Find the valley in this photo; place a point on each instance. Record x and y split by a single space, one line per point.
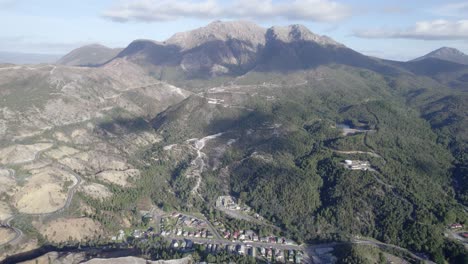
232 147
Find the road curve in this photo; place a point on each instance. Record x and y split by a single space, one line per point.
71 193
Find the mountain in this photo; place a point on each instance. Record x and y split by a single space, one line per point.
27 58
236 47
220 48
89 55
271 117
446 54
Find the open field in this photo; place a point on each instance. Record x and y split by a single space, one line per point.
6 235
44 191
96 191
21 153
61 152
75 228
119 177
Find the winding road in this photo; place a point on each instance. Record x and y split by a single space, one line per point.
71 193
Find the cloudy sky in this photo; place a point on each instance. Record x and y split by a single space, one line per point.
397 29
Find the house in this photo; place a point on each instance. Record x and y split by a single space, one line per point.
252 252
299 257
290 255
137 233
262 251
279 255
175 244
121 235
232 248
183 244
189 244
456 226
226 235
465 234
241 249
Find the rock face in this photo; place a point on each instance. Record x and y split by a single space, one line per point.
243 31
237 47
447 54
220 48
294 33
94 54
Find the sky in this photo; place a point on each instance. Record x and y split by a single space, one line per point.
398 30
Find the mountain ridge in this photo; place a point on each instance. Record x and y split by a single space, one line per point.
447 54
89 55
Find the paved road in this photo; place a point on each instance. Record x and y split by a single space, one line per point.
213 230
18 232
228 242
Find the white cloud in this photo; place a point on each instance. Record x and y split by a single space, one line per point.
163 10
426 30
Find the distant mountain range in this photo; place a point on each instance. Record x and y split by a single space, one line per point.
27 58
237 47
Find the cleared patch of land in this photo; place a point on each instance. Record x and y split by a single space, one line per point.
119 177
61 152
58 258
24 246
92 162
61 230
22 153
6 235
45 191
96 191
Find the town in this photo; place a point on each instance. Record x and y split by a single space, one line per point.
187 233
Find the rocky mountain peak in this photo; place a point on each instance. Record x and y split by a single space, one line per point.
297 32
447 54
220 31
447 51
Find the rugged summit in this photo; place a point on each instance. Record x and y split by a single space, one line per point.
297 32
447 54
234 48
243 31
